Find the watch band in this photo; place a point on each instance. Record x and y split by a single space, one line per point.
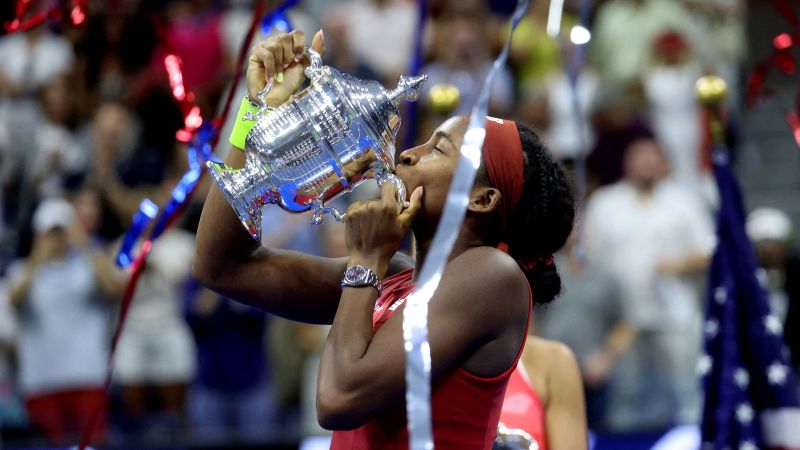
360 276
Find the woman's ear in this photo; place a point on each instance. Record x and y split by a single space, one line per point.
484 199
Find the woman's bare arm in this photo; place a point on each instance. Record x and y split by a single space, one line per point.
290 284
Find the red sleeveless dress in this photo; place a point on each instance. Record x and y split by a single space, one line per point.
522 409
465 408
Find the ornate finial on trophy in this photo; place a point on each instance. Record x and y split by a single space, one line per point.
711 93
408 89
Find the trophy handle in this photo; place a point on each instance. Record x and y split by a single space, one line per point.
321 209
384 176
381 176
263 107
313 70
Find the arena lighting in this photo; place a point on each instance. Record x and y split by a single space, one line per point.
580 35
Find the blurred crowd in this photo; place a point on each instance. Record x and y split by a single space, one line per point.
87 131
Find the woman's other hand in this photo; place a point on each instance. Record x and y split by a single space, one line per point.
374 229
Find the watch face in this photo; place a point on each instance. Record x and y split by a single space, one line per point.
356 273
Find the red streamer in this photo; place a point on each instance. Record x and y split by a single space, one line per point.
78 12
77 15
786 10
793 119
782 59
136 271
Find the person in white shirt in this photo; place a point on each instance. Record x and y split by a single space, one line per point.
63 321
653 236
30 61
382 34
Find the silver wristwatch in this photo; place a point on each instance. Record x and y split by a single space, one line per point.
360 276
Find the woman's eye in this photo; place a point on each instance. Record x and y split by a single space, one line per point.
436 147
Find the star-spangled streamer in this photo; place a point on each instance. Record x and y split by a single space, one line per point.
415 314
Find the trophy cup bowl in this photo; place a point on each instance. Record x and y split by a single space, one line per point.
324 141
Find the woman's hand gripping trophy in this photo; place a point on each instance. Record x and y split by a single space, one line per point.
280 60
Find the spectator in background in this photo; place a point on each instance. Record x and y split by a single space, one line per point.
230 398
194 34
617 124
623 35
660 235
58 153
31 60
591 319
155 359
337 51
770 229
571 92
669 86
382 35
63 322
11 411
114 52
717 33
534 54
462 58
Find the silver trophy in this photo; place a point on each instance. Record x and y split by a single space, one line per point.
324 141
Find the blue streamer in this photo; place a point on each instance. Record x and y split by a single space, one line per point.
198 153
147 212
278 19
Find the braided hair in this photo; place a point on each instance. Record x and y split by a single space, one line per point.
544 218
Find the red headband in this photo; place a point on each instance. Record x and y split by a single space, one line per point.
505 165
502 155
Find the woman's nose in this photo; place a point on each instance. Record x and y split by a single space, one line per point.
411 156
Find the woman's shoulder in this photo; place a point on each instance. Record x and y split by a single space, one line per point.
489 284
488 266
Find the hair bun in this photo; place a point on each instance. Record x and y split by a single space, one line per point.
544 280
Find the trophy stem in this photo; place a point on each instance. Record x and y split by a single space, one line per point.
247 191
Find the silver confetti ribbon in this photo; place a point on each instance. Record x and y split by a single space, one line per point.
415 314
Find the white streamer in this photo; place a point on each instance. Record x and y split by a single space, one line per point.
415 314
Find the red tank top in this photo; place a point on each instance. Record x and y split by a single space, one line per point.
522 409
465 408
